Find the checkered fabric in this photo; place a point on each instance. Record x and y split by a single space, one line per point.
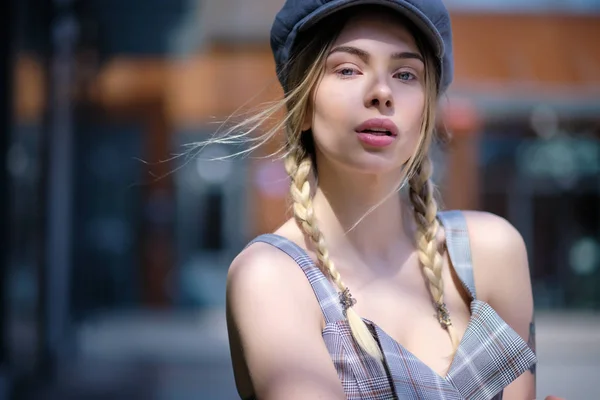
489 357
457 242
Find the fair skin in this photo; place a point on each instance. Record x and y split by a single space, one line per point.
274 320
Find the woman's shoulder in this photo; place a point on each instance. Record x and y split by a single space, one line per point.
274 324
266 272
265 280
262 265
492 235
492 231
264 262
498 252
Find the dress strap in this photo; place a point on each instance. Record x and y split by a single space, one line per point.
459 248
324 290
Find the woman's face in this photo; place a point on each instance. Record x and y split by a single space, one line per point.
367 108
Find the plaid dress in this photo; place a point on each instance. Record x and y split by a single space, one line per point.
489 357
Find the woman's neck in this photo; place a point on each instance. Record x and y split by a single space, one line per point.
343 199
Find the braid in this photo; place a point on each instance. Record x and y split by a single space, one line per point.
425 213
298 167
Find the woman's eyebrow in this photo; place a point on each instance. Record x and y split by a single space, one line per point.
363 55
406 55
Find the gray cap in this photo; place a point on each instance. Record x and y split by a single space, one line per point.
429 16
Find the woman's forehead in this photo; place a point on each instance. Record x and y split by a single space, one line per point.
376 27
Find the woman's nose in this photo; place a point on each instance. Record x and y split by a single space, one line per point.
380 96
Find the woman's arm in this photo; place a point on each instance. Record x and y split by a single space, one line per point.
502 280
274 317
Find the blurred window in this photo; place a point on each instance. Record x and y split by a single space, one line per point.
211 218
548 187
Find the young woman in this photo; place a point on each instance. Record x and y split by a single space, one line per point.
369 292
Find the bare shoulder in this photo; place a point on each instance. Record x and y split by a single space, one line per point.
492 235
265 277
501 268
493 232
263 280
502 279
498 253
274 326
261 265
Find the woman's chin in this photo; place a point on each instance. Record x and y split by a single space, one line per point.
374 166
365 163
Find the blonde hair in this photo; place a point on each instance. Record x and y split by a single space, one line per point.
304 73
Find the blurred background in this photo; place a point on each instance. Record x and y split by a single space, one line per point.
112 281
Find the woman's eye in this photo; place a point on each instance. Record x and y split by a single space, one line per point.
406 76
345 72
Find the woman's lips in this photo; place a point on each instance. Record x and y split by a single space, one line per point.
378 126
375 140
377 132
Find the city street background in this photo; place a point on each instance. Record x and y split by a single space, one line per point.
114 245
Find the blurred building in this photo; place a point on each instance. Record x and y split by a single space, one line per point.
95 185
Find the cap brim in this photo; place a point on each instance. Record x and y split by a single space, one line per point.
402 7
